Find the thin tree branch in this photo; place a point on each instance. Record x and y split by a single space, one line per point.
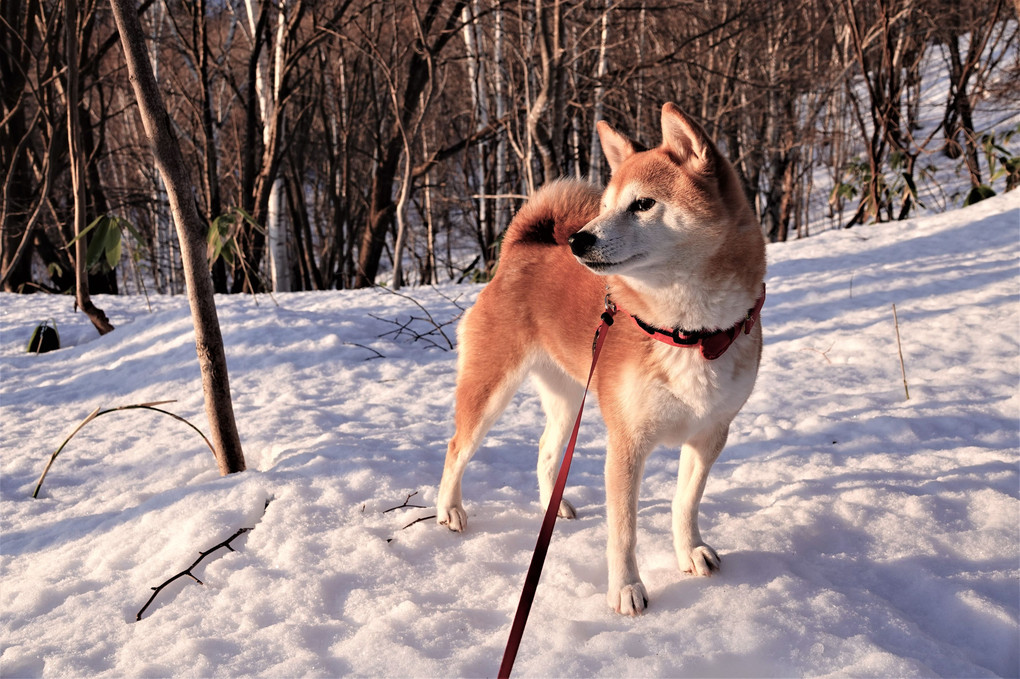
187 571
96 413
405 505
418 520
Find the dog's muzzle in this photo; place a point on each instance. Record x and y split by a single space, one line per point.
581 242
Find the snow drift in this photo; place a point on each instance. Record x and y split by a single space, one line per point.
861 533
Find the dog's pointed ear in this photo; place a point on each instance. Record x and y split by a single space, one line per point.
616 146
686 139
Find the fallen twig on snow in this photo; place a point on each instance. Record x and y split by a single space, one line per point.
824 354
899 347
419 520
201 555
406 329
362 346
187 571
97 412
437 327
405 505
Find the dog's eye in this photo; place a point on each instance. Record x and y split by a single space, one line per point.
641 205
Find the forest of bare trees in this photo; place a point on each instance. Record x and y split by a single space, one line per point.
335 143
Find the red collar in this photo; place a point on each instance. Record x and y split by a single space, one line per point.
713 343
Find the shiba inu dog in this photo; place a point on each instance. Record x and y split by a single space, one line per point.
673 243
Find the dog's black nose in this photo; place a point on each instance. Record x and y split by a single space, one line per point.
581 242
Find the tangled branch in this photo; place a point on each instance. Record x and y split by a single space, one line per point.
405 505
404 328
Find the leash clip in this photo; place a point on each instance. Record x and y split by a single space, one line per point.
607 320
610 311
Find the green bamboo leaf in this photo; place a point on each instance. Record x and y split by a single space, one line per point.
246 216
84 231
977 194
226 250
97 246
112 248
126 224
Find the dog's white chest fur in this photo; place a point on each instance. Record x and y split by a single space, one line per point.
677 399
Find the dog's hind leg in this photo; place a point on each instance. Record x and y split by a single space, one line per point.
696 459
561 397
486 382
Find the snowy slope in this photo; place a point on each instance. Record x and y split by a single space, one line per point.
862 534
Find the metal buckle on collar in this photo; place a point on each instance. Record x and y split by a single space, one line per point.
686 340
749 322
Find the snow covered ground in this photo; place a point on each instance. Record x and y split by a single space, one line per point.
862 534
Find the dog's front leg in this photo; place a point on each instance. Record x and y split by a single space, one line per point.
696 459
624 468
449 505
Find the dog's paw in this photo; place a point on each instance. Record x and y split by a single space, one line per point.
699 560
628 600
566 510
454 518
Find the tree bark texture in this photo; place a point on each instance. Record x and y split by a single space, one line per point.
191 234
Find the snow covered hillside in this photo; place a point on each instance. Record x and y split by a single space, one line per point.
861 533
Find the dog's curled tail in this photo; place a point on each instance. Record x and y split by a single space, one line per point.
554 213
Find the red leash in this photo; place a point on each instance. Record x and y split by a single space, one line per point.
712 346
545 534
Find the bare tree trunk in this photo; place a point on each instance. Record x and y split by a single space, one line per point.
191 233
549 36
401 217
594 153
419 75
474 45
959 112
501 144
431 276
77 158
276 231
18 211
214 201
164 254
